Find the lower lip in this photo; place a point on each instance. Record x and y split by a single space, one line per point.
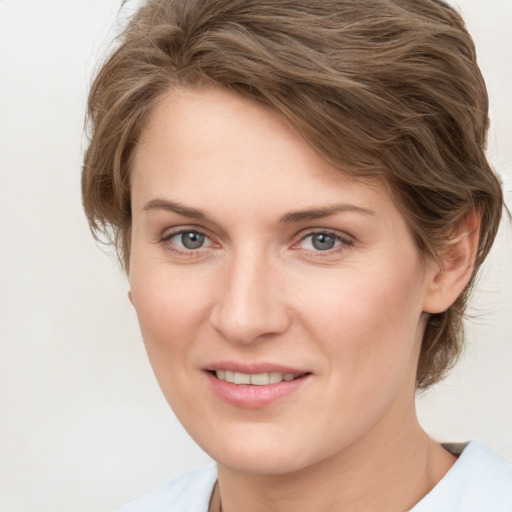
250 396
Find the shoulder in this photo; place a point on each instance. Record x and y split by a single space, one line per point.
190 492
479 480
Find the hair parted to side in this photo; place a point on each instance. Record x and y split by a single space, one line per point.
379 88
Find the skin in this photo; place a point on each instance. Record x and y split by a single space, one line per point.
259 291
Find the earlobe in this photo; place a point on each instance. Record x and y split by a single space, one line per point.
130 298
456 265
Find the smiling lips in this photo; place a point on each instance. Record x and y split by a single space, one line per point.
255 379
254 390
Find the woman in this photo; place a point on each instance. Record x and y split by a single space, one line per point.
301 199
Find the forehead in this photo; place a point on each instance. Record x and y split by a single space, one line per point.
207 124
211 147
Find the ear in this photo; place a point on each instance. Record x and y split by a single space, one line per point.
450 275
130 298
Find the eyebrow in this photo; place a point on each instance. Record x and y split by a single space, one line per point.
287 218
320 213
171 206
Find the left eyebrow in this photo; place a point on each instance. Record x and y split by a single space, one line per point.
319 213
171 206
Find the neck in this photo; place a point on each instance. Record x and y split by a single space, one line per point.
370 475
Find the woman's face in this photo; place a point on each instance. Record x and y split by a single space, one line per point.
254 260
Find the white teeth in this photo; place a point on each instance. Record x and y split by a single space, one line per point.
256 379
242 378
260 379
275 377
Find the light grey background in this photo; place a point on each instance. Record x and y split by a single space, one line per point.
83 426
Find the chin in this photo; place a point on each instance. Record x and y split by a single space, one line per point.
261 461
264 449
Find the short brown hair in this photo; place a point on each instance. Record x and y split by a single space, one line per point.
387 88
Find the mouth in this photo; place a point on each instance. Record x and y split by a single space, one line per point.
256 379
255 385
255 388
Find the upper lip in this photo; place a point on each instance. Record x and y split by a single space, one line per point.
254 368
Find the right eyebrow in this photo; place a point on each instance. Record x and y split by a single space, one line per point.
171 206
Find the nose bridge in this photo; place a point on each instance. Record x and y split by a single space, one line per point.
248 306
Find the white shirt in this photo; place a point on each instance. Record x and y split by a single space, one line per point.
479 481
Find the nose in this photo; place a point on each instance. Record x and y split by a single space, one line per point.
250 304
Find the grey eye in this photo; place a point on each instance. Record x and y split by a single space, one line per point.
191 240
322 241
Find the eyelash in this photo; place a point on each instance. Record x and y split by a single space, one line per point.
165 240
344 242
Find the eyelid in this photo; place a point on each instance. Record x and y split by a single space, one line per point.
345 239
170 233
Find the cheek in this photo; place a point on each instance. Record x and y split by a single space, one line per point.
171 308
367 322
170 312
165 298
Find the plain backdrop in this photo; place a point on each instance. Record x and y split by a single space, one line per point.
83 425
